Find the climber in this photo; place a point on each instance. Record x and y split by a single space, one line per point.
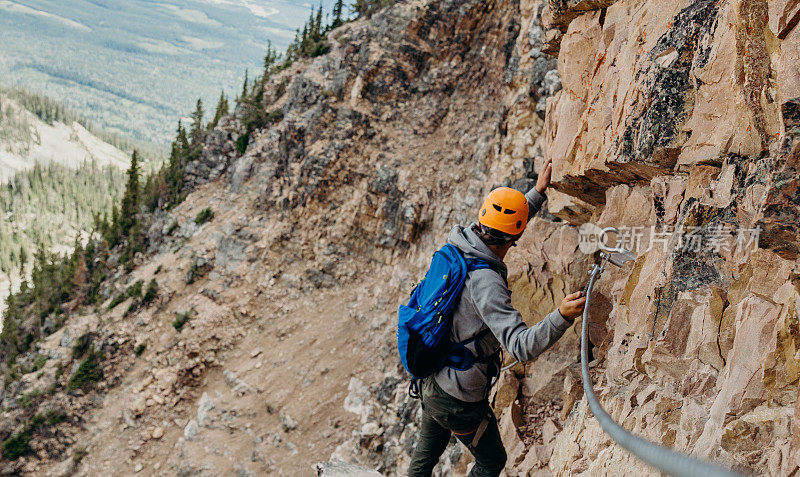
456 401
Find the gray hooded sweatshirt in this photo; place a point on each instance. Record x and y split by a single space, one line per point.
485 303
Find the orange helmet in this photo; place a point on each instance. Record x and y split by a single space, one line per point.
506 210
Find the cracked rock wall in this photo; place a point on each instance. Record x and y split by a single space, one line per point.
681 117
685 117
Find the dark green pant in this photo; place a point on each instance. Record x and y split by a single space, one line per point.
443 414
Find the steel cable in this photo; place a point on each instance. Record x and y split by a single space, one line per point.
662 458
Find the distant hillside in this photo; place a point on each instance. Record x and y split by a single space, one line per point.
48 207
56 174
134 66
47 134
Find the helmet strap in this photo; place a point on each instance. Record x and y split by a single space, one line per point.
491 236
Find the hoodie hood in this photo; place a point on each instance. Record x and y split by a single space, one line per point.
468 242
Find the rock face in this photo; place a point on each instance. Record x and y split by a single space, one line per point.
218 151
679 124
689 115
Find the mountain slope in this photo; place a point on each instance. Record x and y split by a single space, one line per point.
56 176
311 209
269 345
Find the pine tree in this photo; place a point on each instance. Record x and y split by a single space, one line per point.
257 83
270 61
175 167
80 276
293 52
130 226
337 15
270 58
23 257
41 276
304 40
222 110
243 96
183 141
173 173
196 133
361 7
311 42
113 227
318 25
130 200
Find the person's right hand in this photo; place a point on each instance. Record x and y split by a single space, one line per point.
544 176
572 305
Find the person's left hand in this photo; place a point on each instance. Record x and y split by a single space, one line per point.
544 177
572 305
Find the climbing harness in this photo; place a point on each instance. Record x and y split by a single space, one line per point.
506 368
662 458
473 446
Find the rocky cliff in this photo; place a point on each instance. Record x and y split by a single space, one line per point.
677 123
684 119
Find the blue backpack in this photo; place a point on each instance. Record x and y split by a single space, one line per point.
423 325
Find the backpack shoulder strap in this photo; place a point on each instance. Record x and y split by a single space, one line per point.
476 264
480 264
